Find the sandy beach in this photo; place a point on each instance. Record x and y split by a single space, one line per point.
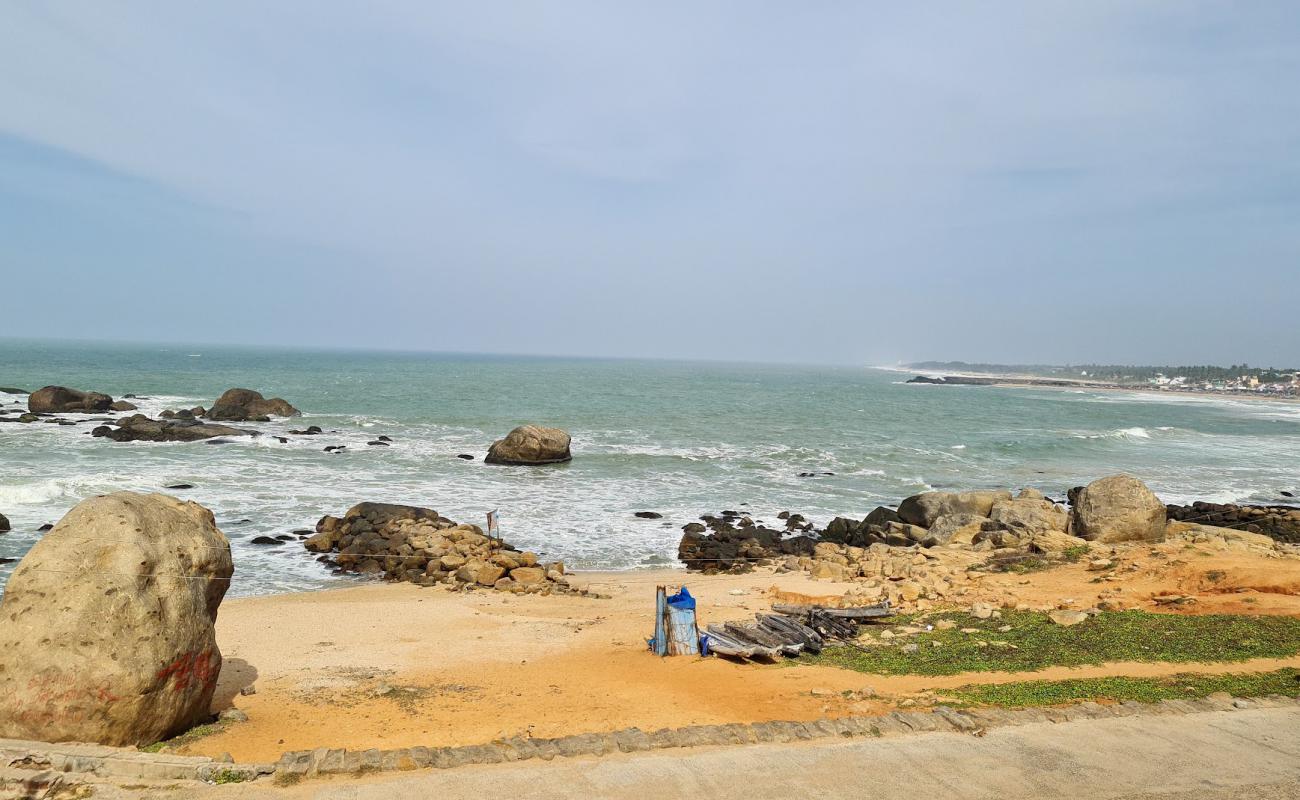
396 665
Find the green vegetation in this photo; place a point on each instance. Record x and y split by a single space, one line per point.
1146 690
222 776
188 737
1032 641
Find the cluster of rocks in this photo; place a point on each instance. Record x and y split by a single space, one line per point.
415 544
1280 523
46 403
1114 509
139 428
734 542
108 631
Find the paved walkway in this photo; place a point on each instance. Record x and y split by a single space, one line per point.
1212 756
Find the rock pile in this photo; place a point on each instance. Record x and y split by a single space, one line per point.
139 428
246 405
944 531
736 543
531 445
108 632
1280 523
416 544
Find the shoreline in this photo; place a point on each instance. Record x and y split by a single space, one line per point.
393 664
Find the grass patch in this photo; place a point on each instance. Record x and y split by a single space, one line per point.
223 776
188 737
1073 553
1034 642
1146 690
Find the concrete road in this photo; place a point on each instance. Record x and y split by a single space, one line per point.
1215 756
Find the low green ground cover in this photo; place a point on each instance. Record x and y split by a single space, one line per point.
1146 690
1031 641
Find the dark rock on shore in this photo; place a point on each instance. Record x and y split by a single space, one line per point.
180 486
465 457
4 524
60 399
311 430
1280 523
377 443
139 428
736 548
648 515
246 405
531 445
265 540
122 405
12 390
335 448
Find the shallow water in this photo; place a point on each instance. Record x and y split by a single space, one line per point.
678 438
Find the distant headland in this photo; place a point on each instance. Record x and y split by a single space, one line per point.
1239 379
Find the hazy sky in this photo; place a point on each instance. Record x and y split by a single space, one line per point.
842 182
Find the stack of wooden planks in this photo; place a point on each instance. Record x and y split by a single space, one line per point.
790 630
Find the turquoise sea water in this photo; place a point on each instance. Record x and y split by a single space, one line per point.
678 438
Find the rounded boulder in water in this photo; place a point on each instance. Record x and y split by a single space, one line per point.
531 445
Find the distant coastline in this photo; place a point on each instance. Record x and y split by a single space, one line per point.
1026 381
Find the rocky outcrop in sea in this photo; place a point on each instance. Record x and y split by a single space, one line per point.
246 405
530 445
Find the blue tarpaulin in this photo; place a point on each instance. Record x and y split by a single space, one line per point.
676 633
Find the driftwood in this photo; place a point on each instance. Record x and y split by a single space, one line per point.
731 641
859 612
791 630
754 633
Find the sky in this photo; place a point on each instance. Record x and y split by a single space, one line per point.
832 182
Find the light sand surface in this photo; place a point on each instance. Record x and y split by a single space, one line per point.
396 665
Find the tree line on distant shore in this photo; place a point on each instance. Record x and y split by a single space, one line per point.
1121 373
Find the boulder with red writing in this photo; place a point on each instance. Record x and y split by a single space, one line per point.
107 624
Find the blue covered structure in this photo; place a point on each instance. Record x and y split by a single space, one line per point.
676 633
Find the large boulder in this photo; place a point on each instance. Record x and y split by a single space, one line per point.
531 444
1028 515
923 509
139 428
4 523
61 399
380 513
106 625
244 405
1118 508
957 528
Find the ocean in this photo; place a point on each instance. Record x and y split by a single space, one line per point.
678 438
